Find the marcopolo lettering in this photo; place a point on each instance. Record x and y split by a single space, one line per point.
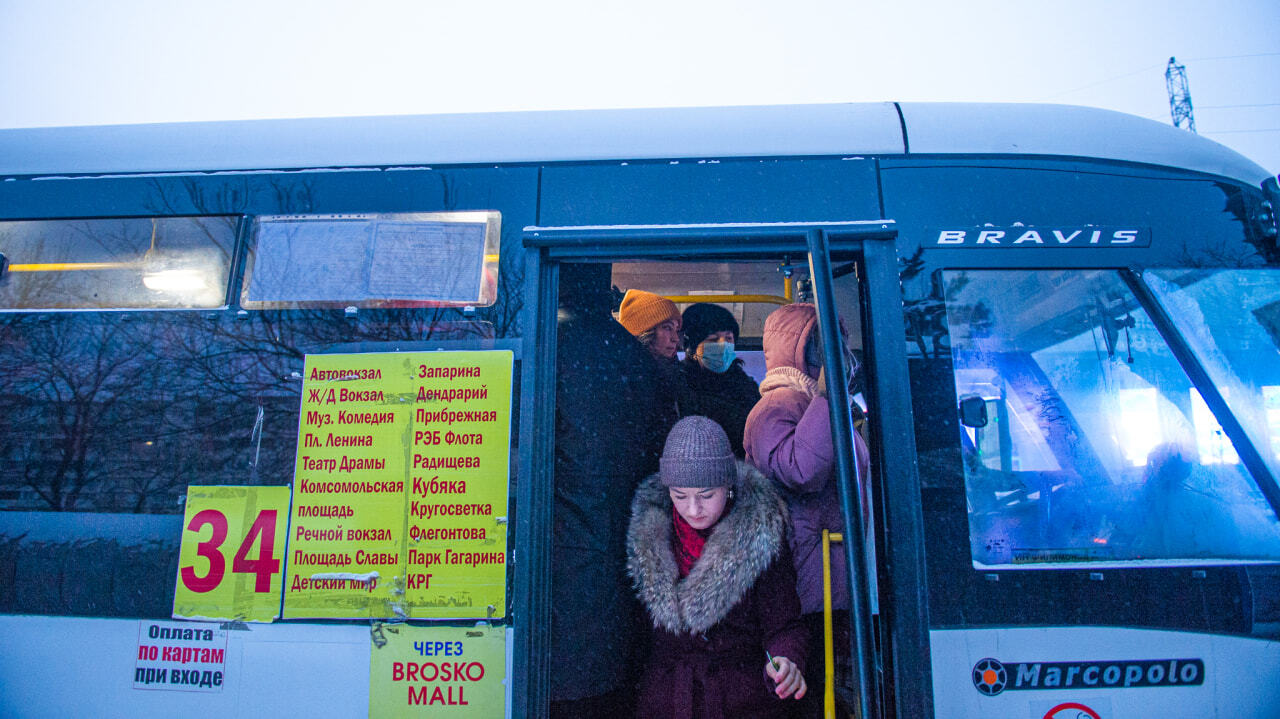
1086 236
991 676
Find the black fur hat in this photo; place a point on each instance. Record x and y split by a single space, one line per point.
702 319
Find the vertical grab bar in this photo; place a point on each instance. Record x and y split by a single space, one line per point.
862 652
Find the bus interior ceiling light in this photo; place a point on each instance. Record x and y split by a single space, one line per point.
176 280
163 272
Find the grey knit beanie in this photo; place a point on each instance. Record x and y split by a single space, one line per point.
697 454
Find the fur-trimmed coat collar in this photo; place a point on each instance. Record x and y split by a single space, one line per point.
740 548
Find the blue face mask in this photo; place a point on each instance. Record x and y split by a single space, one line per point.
716 356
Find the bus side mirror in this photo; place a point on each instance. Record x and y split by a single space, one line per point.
973 411
4 267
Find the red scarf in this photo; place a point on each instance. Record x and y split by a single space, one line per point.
686 543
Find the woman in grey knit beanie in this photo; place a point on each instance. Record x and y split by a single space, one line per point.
708 554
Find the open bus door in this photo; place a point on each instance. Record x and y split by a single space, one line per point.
891 661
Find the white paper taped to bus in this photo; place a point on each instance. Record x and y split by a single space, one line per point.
427 261
359 258
301 260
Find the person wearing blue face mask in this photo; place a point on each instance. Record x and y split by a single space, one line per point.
722 389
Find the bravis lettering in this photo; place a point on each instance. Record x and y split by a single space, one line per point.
1051 237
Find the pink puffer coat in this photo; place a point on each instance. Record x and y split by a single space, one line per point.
788 437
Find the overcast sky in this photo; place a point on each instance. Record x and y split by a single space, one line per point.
83 62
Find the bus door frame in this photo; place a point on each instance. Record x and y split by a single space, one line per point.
899 682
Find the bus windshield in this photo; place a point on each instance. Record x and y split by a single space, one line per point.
1083 438
1231 318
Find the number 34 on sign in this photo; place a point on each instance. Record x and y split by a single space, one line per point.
230 564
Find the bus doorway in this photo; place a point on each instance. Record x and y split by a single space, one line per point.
749 272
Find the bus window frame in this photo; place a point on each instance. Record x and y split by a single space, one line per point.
904 621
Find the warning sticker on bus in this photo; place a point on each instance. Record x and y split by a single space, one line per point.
1095 708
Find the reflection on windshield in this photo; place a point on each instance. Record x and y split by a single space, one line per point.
1231 319
1095 445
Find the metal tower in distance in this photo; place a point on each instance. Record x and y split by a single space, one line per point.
1175 79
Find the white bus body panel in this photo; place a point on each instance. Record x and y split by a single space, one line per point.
1241 675
74 667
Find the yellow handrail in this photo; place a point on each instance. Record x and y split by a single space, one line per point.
68 266
761 299
828 640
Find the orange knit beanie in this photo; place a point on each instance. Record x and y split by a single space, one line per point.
644 310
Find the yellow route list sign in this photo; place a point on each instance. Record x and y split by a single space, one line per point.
231 559
438 672
400 487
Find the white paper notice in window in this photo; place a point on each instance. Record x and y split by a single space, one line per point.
389 260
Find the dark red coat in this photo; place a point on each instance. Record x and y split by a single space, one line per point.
712 629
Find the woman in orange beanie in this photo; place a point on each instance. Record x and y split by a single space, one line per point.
654 320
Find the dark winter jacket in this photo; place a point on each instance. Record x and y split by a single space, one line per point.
727 397
712 629
673 398
788 437
606 440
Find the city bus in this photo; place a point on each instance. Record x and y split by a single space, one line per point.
1068 321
